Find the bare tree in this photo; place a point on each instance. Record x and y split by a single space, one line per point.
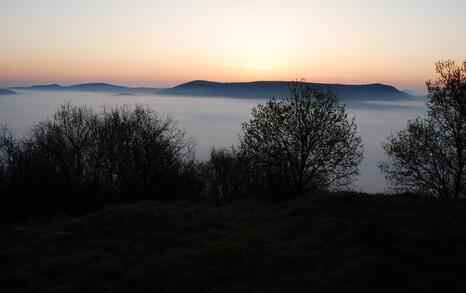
305 142
225 175
429 156
143 154
80 160
7 154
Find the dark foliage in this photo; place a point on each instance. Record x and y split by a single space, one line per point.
302 143
226 175
80 160
429 156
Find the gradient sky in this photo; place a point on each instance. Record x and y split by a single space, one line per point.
162 43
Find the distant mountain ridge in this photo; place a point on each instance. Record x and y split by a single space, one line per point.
255 89
90 87
279 89
6 92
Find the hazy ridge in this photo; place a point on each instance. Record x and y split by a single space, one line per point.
6 92
267 89
256 89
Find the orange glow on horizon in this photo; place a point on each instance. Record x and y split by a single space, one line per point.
156 43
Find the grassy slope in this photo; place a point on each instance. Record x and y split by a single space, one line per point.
349 243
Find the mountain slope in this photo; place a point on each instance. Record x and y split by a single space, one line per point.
280 89
6 92
90 87
256 89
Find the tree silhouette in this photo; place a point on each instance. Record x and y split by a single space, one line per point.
305 142
429 156
80 160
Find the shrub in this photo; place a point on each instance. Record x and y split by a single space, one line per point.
225 175
80 160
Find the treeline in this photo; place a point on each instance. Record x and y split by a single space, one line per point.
80 160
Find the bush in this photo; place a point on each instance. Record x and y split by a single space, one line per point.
80 160
143 156
225 175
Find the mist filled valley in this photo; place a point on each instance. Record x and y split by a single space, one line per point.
216 121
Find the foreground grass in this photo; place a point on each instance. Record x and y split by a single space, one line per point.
338 243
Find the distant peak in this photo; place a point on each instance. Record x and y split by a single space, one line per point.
97 84
197 83
52 85
6 92
264 89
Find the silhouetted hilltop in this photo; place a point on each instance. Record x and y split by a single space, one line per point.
256 89
267 89
44 87
6 92
91 87
97 87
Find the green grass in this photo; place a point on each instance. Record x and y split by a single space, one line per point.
338 243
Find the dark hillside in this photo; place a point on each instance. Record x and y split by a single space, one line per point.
6 92
339 243
280 89
256 89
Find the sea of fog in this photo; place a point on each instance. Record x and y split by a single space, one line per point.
216 121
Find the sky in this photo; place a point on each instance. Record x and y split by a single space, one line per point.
164 43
